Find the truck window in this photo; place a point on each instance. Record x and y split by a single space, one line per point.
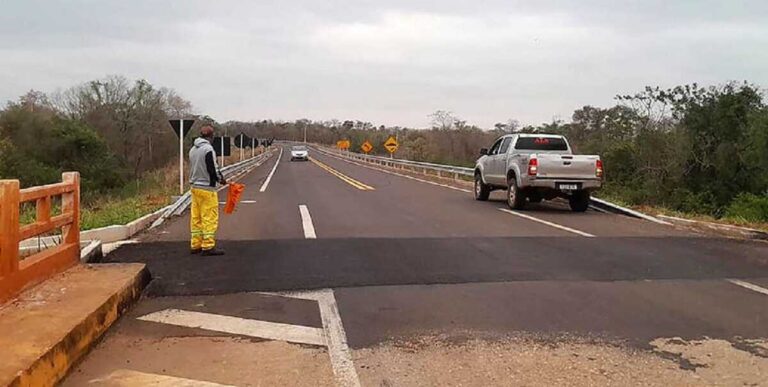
542 143
505 145
495 148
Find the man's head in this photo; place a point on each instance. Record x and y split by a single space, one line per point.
206 131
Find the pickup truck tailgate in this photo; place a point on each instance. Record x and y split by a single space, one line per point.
560 166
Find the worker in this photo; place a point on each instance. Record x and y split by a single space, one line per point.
204 175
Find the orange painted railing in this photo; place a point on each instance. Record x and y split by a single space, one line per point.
16 274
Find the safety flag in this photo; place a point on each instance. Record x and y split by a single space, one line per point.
234 193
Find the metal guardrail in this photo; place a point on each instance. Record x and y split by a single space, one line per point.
439 169
182 203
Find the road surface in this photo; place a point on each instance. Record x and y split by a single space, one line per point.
342 274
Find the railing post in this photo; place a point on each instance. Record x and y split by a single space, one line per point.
9 227
70 203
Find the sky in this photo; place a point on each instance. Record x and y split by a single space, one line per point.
388 62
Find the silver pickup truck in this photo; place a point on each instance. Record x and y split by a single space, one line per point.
537 167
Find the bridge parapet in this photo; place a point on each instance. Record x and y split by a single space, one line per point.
17 274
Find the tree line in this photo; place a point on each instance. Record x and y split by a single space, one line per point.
111 130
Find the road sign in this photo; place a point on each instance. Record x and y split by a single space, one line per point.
391 144
366 147
181 127
342 144
224 147
242 141
176 125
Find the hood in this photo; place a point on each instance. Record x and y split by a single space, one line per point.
199 142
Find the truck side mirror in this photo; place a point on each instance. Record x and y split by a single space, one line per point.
483 151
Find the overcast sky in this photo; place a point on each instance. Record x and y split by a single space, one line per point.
390 62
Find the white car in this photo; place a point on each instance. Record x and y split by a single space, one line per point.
299 152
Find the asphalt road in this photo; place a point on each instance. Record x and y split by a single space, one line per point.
407 259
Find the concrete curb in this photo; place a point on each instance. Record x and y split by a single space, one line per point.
58 357
91 253
615 208
724 229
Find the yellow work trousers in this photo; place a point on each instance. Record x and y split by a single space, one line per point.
205 218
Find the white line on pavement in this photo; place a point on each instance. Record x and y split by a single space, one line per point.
336 337
555 225
749 286
271 173
306 222
238 326
129 378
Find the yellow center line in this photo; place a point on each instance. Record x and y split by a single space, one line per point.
343 177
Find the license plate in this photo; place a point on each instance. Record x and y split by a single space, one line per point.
567 186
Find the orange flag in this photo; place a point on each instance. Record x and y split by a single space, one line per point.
233 196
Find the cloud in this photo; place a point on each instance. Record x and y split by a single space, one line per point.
393 62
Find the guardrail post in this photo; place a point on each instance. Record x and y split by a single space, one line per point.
70 203
9 227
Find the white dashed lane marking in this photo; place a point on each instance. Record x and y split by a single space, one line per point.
555 225
306 222
750 286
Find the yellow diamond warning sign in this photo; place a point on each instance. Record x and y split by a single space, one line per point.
391 144
342 144
366 147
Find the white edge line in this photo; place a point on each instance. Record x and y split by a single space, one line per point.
555 225
271 173
306 222
239 326
749 286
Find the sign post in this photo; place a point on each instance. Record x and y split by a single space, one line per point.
391 145
181 127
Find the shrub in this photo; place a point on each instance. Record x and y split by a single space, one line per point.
749 207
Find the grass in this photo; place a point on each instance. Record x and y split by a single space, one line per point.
658 210
148 194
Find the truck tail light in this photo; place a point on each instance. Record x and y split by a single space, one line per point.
599 168
533 166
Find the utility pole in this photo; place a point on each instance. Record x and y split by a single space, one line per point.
305 133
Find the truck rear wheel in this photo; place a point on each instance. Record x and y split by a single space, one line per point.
579 201
482 190
515 197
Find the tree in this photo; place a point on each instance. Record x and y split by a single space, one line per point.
442 120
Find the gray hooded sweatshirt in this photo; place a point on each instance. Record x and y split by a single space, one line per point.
203 170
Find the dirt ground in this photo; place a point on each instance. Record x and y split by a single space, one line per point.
441 361
221 360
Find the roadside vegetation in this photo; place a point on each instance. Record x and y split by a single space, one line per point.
690 150
113 131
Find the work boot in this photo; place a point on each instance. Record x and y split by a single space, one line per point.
195 251
211 252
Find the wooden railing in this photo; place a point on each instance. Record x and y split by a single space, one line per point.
16 274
